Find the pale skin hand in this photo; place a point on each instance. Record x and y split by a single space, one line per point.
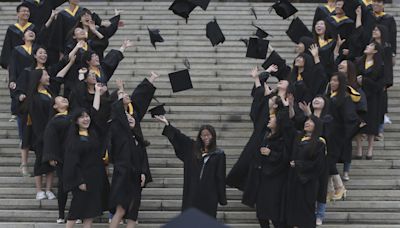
120 84
142 180
22 97
268 90
83 187
273 68
125 44
53 163
13 85
82 73
292 164
306 108
359 80
162 119
265 151
153 77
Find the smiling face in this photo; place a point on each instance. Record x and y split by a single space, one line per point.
299 61
61 103
309 126
377 6
206 137
94 60
29 36
23 13
80 34
339 7
320 27
41 56
318 103
45 79
83 121
376 33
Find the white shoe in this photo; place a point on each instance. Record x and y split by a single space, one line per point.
386 119
318 222
40 195
50 195
60 221
13 118
78 221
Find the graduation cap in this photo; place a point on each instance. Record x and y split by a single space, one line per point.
202 3
159 110
261 33
275 58
155 36
284 8
257 48
182 8
297 29
180 80
193 218
214 33
253 11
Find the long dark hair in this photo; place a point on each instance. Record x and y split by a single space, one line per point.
308 62
325 109
35 49
79 24
317 132
200 147
327 34
341 92
352 74
378 59
384 34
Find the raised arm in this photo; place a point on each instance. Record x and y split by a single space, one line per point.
142 95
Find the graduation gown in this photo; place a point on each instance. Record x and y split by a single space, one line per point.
259 114
268 175
108 66
302 187
321 13
83 164
40 11
14 37
327 58
204 177
343 27
39 111
344 126
20 59
129 154
372 84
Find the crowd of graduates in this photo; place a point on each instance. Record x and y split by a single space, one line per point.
335 92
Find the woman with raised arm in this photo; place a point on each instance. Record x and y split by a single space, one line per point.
204 167
128 151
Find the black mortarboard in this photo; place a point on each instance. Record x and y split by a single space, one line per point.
180 80
155 36
182 8
202 3
284 8
260 32
297 29
253 11
193 218
214 33
275 58
158 110
257 48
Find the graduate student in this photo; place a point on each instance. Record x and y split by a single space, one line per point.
344 127
128 151
54 148
15 34
83 170
372 79
41 91
268 170
306 165
204 167
326 44
40 10
324 11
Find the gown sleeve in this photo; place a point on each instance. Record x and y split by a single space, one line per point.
111 62
141 98
12 67
51 143
182 144
6 50
72 170
221 174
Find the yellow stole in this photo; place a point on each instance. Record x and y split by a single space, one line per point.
45 92
62 113
22 29
130 109
72 13
322 42
83 133
337 19
368 64
27 48
96 71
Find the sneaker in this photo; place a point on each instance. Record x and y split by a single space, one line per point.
50 195
318 222
40 195
387 120
60 221
345 177
24 170
13 118
78 221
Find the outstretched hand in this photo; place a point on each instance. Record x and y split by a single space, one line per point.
162 119
306 108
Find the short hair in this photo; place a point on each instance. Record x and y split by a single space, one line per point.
22 5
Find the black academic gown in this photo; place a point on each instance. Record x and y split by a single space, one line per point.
268 175
40 11
345 29
14 37
302 187
321 13
344 126
128 153
83 164
259 114
39 111
108 65
204 177
373 84
327 58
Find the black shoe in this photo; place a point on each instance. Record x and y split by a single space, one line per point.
368 157
357 157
